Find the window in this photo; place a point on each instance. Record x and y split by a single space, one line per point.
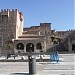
20 46
5 18
38 46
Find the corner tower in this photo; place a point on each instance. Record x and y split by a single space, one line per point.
11 26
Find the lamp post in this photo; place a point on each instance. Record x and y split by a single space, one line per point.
52 38
55 43
54 54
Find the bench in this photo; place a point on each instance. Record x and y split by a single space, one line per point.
10 55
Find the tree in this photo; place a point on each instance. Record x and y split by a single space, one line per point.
10 45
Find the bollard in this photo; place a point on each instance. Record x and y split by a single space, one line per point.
32 65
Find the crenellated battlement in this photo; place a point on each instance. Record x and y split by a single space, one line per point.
12 12
11 25
7 11
4 12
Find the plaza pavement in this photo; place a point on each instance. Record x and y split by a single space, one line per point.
66 66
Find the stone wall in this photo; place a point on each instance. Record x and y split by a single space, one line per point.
8 26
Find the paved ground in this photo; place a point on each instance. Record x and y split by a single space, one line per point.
66 66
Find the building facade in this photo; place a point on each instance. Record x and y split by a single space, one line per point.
11 26
16 39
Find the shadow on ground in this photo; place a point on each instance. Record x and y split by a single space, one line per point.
19 74
49 63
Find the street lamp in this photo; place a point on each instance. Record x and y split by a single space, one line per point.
54 43
54 54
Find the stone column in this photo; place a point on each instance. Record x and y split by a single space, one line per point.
69 45
35 48
42 44
45 45
15 51
25 48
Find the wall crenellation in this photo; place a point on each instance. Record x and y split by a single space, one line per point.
7 11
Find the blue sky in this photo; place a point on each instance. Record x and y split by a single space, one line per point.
58 12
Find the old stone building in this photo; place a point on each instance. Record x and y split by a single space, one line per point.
11 26
16 39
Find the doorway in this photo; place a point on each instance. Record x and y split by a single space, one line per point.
30 47
38 46
20 46
73 47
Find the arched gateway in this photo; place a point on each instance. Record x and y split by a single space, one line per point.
30 47
38 46
73 47
20 46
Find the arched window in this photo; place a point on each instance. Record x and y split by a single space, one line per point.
20 46
30 47
38 46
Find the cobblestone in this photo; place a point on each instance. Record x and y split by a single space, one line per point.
43 68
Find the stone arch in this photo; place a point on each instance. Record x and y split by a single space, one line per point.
39 46
73 47
30 47
20 46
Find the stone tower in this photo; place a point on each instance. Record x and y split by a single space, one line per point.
11 26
